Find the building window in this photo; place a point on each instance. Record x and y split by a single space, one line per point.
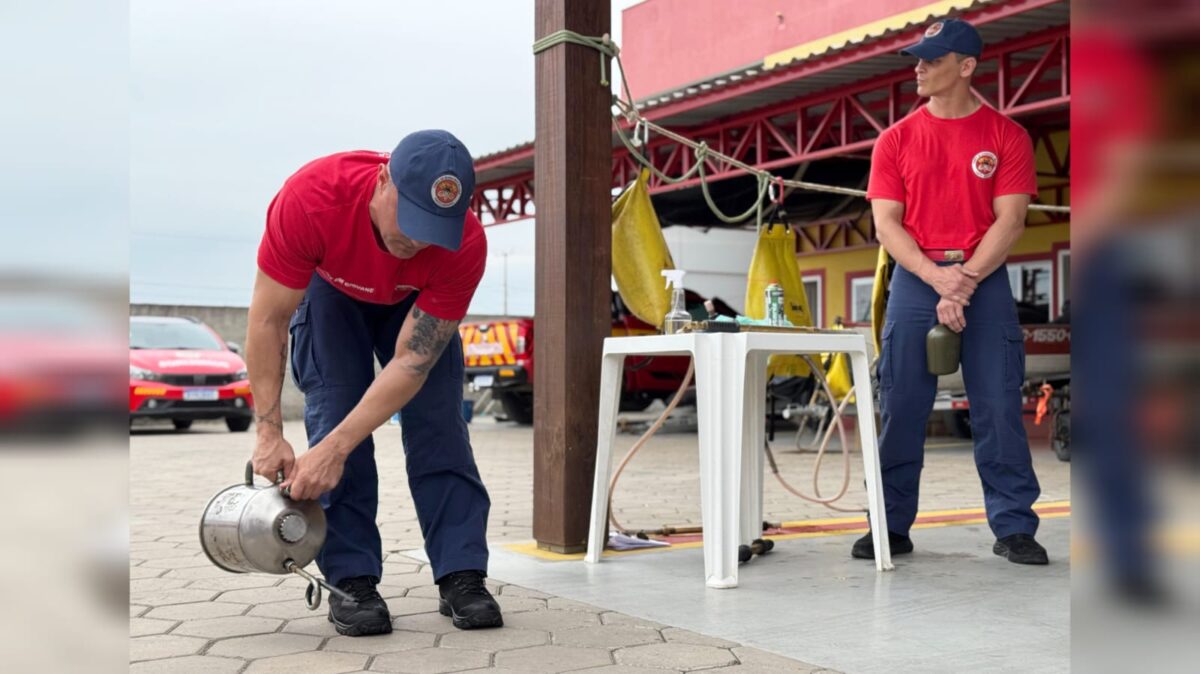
814 290
860 298
1031 283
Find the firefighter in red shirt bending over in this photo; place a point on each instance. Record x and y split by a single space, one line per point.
373 256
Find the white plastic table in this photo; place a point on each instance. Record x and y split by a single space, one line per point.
731 378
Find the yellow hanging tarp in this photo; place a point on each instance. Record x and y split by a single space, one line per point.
838 376
883 276
640 254
774 261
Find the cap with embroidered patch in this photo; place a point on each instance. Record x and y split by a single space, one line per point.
435 177
943 37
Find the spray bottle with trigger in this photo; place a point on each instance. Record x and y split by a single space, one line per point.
677 317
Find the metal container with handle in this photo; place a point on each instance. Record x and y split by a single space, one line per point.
246 528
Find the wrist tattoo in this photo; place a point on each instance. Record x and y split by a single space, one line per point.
271 417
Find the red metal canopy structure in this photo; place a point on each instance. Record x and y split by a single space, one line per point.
828 106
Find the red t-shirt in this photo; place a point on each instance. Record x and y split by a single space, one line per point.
1113 102
320 222
946 172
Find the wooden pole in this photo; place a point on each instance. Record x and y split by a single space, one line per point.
573 267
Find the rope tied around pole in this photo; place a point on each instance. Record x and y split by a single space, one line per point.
602 44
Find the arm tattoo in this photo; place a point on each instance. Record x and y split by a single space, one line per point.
429 338
269 417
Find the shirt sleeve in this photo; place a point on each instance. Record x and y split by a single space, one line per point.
886 181
1016 172
290 249
451 287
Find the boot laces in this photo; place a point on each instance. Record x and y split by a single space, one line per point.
362 588
467 583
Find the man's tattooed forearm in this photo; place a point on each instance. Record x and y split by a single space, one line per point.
273 417
429 338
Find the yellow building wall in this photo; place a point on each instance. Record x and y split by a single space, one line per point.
837 265
1047 181
1041 239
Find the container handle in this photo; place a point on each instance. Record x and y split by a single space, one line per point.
312 595
250 475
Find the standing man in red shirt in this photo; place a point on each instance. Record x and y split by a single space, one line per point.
367 256
949 188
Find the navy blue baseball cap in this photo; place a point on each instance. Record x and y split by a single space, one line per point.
943 37
435 176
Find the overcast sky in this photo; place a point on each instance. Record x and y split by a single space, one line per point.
63 139
229 98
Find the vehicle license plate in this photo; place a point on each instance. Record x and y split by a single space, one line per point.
484 349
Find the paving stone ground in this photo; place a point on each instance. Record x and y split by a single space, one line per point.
188 616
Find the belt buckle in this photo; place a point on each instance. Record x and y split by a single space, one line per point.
952 255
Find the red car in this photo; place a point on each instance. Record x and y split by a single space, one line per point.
180 369
60 360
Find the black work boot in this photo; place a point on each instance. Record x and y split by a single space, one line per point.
864 548
368 614
466 599
1021 549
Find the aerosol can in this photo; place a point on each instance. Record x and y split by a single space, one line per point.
677 317
774 304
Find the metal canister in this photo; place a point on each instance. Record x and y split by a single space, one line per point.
774 304
943 350
247 528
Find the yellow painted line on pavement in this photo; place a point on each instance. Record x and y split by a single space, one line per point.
858 524
1171 540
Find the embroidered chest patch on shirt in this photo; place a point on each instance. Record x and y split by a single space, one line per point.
984 164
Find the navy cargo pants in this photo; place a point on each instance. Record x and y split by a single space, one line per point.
993 366
334 341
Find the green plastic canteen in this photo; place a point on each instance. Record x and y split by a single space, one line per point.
943 349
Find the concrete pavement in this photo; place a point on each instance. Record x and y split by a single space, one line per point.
187 615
